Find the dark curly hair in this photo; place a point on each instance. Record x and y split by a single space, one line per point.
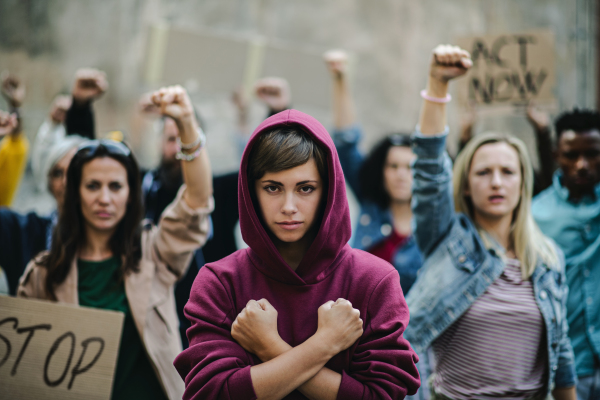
370 175
577 121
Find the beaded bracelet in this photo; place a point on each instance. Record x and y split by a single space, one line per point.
201 141
188 146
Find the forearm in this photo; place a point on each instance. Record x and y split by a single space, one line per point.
80 120
323 386
564 393
197 172
432 120
292 369
343 106
545 156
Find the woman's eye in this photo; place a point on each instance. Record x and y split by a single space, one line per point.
115 186
509 171
92 186
482 172
271 189
307 189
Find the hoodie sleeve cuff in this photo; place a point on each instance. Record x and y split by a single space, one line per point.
350 388
429 146
240 385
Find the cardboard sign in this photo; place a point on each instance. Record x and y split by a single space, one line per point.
52 351
509 69
218 64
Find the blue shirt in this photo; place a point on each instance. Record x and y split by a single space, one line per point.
575 227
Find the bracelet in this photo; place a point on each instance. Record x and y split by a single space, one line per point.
188 157
188 146
435 99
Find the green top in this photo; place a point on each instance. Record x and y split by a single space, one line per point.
100 286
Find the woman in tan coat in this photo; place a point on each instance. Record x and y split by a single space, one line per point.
103 256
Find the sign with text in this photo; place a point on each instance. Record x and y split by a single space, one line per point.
54 351
509 69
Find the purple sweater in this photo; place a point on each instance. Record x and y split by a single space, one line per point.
380 365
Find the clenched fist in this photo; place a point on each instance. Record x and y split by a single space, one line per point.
89 85
12 89
8 123
337 62
174 102
59 108
255 329
275 92
449 62
339 325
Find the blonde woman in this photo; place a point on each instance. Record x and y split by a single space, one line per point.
490 301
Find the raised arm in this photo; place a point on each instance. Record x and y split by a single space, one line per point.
347 133
90 84
433 205
540 122
13 90
175 103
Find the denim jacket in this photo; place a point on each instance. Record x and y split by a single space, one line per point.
459 268
374 223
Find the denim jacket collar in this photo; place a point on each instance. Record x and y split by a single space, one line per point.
563 192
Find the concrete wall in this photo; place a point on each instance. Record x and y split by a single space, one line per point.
45 41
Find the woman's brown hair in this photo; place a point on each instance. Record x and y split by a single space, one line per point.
284 148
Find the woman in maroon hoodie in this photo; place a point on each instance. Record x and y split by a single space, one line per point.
284 318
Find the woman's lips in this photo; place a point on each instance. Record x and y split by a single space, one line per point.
103 214
290 225
496 199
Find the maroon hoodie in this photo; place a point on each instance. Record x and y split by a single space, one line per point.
380 365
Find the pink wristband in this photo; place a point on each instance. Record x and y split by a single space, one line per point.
435 99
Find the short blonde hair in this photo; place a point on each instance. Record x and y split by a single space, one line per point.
529 243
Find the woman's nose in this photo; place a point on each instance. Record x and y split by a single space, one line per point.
289 205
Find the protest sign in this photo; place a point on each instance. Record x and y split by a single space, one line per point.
53 351
508 69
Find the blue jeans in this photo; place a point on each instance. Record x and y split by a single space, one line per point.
588 387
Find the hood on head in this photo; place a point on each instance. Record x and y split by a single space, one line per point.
335 228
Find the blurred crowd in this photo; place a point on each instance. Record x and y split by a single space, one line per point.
496 263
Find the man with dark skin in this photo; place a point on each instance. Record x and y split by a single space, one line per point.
569 212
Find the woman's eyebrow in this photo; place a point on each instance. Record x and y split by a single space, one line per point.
273 182
305 182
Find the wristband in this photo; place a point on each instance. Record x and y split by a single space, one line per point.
435 99
188 157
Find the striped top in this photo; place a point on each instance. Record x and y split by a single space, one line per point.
496 349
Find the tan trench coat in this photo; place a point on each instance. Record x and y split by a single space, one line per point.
166 253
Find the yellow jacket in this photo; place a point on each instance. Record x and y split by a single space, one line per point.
13 158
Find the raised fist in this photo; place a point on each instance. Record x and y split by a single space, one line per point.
89 85
59 108
12 89
337 62
147 106
275 92
174 102
8 123
540 120
449 62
